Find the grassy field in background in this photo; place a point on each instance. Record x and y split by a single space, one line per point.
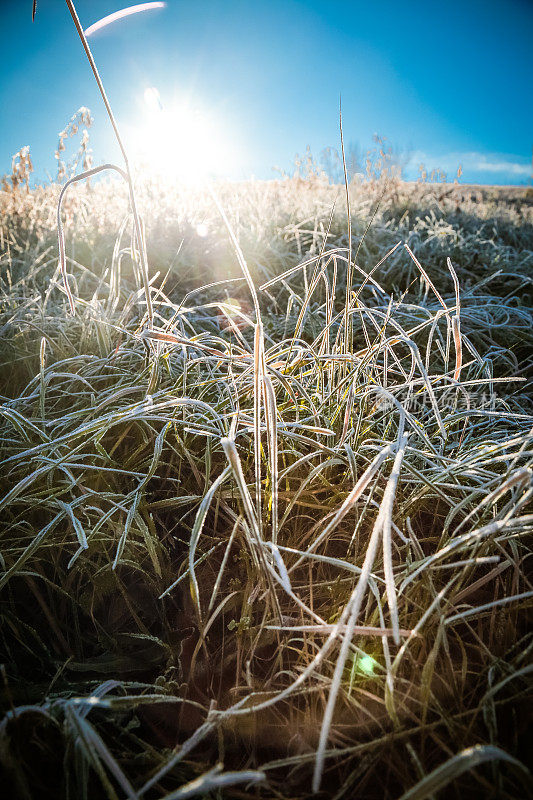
278 541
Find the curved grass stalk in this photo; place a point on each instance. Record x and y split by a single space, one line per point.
60 235
455 766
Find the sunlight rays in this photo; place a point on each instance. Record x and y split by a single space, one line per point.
179 142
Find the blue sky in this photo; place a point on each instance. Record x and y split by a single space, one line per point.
446 82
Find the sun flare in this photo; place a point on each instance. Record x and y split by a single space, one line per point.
179 142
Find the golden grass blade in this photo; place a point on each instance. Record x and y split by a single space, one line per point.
354 604
196 533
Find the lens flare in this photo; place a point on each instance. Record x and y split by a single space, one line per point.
366 664
117 15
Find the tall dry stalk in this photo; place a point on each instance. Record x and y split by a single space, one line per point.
136 221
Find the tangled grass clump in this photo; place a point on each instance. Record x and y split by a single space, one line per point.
286 527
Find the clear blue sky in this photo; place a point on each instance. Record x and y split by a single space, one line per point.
449 81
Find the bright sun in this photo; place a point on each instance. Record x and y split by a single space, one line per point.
179 142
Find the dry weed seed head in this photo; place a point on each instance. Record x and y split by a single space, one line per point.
83 155
21 169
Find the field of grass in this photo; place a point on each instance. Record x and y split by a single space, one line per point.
277 540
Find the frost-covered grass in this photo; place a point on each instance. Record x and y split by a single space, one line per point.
285 528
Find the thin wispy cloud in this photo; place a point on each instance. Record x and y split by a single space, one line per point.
472 162
511 167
